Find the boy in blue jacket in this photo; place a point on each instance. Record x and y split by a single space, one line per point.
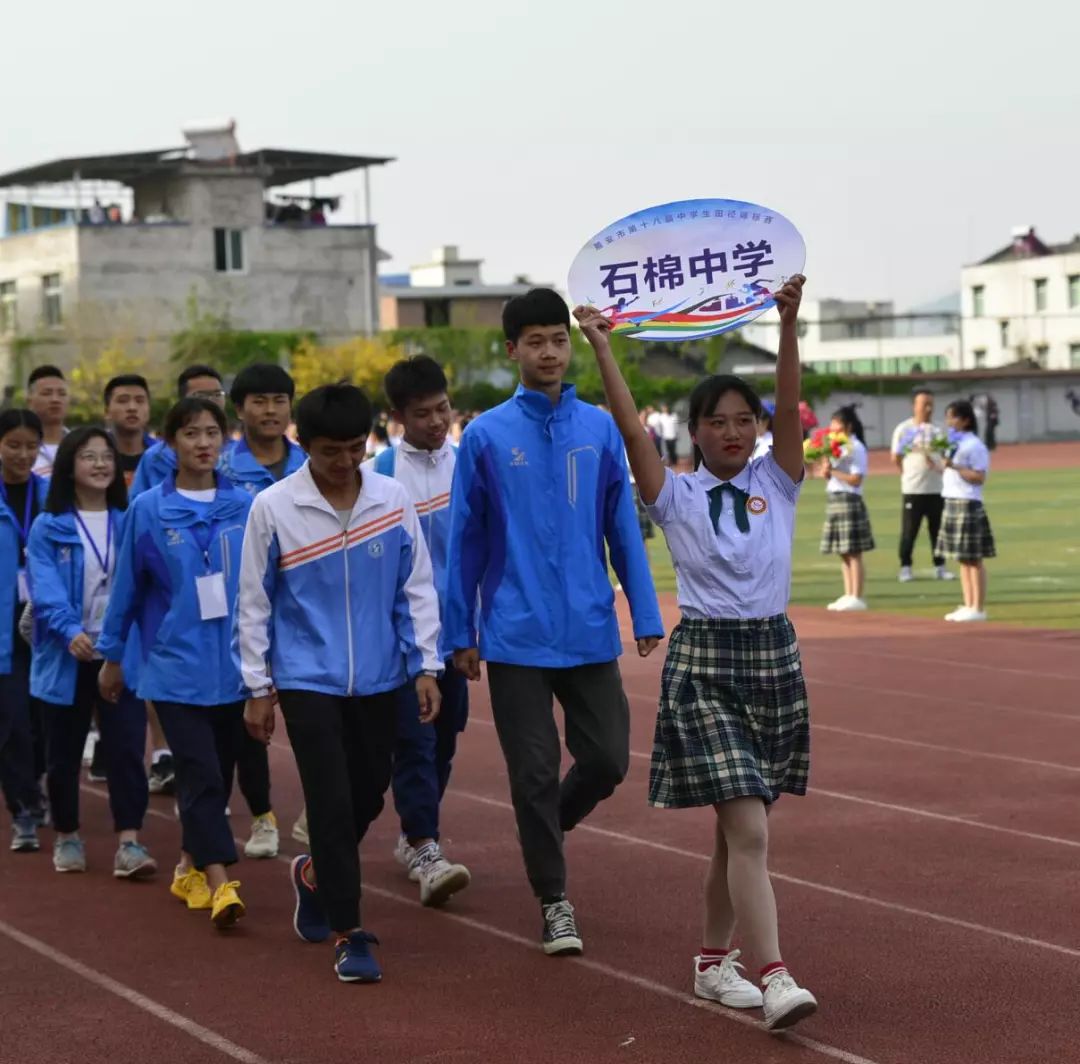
540 485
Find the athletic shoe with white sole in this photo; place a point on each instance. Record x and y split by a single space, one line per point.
969 615
309 916
69 855
353 961
956 613
405 855
300 829
906 574
561 933
264 839
439 879
839 603
850 604
162 775
941 573
133 861
722 982
785 1002
24 834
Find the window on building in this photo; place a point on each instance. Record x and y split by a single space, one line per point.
1004 334
1041 285
856 329
51 310
978 300
1042 355
1074 291
229 250
980 357
436 312
9 308
1074 356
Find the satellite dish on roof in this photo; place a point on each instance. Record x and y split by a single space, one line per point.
212 141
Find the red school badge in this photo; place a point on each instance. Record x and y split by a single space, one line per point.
756 505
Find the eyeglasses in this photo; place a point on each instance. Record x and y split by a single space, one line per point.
217 393
96 457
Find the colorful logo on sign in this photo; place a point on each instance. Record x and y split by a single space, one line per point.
687 270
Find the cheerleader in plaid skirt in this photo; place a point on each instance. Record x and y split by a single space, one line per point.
965 529
733 729
847 529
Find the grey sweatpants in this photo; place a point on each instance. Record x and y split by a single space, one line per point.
597 735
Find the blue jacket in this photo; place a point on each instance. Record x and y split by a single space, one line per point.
185 659
157 463
346 611
537 490
10 550
55 559
245 471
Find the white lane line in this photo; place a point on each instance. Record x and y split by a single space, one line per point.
892 807
133 997
880 903
822 1048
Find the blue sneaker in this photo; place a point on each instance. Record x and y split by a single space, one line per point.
309 917
69 855
24 834
353 961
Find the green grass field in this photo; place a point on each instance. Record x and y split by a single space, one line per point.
1034 580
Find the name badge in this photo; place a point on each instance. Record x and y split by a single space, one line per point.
23 586
211 592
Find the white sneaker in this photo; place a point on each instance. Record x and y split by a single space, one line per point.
851 603
906 575
264 837
300 829
92 737
970 615
405 854
943 574
439 879
956 614
722 982
786 1002
840 603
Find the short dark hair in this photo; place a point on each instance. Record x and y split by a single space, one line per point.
540 306
186 410
261 378
61 497
198 370
916 392
334 411
42 373
20 418
126 380
965 411
708 393
413 378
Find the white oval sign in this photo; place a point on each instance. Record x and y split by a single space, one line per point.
686 270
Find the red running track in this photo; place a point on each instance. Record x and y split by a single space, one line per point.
927 889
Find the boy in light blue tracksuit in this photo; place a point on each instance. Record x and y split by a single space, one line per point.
540 485
424 465
337 611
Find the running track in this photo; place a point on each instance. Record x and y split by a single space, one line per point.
927 886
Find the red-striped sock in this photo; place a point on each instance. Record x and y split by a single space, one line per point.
771 970
709 957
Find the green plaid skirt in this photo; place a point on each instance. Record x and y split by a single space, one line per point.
847 525
734 721
965 531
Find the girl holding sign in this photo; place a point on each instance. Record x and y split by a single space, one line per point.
733 725
177 573
71 560
22 493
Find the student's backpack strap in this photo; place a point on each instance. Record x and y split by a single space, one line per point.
384 463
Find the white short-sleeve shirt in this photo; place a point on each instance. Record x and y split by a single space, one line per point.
727 573
858 461
971 453
917 475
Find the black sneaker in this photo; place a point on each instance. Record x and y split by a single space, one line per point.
560 929
97 773
162 775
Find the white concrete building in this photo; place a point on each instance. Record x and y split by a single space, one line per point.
1023 303
205 221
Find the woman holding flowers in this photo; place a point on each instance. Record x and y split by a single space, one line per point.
840 456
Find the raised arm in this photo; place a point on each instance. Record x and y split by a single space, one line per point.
644 461
787 428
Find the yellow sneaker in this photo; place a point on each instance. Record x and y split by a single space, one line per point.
228 908
191 887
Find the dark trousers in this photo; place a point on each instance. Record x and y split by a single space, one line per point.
597 735
424 754
123 730
671 446
203 744
21 791
252 770
344 750
916 507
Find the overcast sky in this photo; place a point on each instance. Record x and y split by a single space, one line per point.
902 139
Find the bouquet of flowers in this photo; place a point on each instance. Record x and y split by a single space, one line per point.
930 441
825 444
